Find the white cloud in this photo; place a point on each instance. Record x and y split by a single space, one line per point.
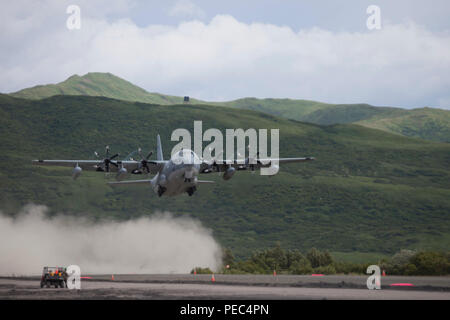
186 9
401 65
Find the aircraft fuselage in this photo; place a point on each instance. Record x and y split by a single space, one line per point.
179 175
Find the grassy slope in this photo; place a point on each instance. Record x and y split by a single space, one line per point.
425 123
97 84
286 108
430 124
369 191
350 113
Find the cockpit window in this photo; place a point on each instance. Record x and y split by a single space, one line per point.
185 156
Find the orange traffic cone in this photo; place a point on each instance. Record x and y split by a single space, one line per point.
112 277
213 279
383 274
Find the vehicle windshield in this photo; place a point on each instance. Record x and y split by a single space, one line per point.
55 269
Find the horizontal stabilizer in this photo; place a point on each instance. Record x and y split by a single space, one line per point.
204 181
131 182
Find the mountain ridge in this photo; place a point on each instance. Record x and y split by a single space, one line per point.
96 84
425 123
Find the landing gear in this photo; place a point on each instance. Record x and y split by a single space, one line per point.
161 191
191 191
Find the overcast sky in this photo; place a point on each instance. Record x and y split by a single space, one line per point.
223 50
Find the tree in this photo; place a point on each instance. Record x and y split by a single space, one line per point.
302 266
294 256
319 259
227 257
326 259
402 257
313 256
431 263
400 262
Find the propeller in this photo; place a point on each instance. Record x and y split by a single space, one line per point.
104 165
213 166
143 164
247 165
144 161
252 165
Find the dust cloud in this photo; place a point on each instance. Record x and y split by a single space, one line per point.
158 244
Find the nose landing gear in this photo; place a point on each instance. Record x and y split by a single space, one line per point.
161 191
191 191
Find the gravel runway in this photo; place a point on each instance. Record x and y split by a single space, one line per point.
281 287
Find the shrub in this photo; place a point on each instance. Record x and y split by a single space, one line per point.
329 269
202 270
319 259
431 263
348 267
301 266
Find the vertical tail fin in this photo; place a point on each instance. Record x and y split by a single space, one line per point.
159 153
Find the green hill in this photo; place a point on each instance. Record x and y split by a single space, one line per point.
97 84
286 108
424 123
311 111
350 114
429 124
368 192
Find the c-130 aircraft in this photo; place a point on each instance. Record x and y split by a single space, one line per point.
171 177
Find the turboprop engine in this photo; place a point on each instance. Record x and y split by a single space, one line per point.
162 180
229 173
274 168
121 174
76 172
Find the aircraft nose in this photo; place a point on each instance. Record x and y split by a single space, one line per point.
189 172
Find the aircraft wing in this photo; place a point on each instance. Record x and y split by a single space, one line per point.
131 182
243 165
286 160
96 165
146 182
